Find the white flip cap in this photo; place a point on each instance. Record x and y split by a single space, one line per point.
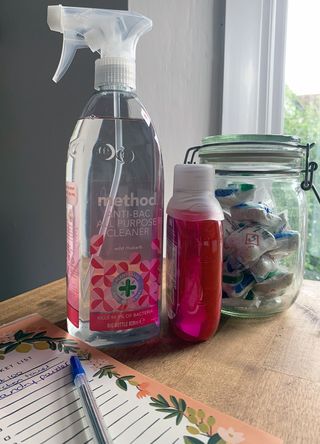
193 178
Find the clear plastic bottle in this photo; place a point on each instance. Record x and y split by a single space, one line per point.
132 246
114 187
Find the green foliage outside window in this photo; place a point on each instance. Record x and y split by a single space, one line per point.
302 118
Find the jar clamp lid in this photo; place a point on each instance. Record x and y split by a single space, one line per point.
257 148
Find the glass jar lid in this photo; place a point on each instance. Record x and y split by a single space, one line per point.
248 145
278 139
269 150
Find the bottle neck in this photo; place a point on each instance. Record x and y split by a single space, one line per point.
115 74
115 87
194 205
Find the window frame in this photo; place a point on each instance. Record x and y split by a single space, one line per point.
254 66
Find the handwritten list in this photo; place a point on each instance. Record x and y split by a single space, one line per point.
39 403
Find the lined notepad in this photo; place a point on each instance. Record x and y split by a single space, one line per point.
39 404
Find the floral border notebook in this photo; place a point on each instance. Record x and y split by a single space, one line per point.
39 404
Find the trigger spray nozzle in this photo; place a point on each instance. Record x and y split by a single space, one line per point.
113 34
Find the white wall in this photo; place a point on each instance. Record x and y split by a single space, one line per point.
180 72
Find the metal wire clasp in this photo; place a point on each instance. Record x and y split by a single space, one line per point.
310 168
193 150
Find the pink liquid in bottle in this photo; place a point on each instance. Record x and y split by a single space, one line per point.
194 273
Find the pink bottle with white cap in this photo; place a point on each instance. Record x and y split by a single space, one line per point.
194 254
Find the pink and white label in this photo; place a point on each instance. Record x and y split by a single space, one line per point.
124 294
72 253
71 194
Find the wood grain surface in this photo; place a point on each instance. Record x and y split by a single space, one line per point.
265 372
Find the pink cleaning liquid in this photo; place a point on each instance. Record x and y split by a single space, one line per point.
194 273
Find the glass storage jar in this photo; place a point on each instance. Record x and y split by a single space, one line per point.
258 183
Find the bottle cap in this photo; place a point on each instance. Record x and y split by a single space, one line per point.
193 178
76 367
112 34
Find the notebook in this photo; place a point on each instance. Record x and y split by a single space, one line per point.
39 404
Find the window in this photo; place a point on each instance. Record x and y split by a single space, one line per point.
302 104
272 53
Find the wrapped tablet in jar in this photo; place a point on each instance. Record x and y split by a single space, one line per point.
258 183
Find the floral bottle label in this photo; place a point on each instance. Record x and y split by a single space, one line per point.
125 294
125 252
72 253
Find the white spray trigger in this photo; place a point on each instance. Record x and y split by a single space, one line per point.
70 45
113 34
71 40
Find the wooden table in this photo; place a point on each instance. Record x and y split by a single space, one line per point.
265 372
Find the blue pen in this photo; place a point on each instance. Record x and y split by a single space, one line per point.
95 420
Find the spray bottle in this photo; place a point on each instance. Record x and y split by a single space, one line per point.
114 186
